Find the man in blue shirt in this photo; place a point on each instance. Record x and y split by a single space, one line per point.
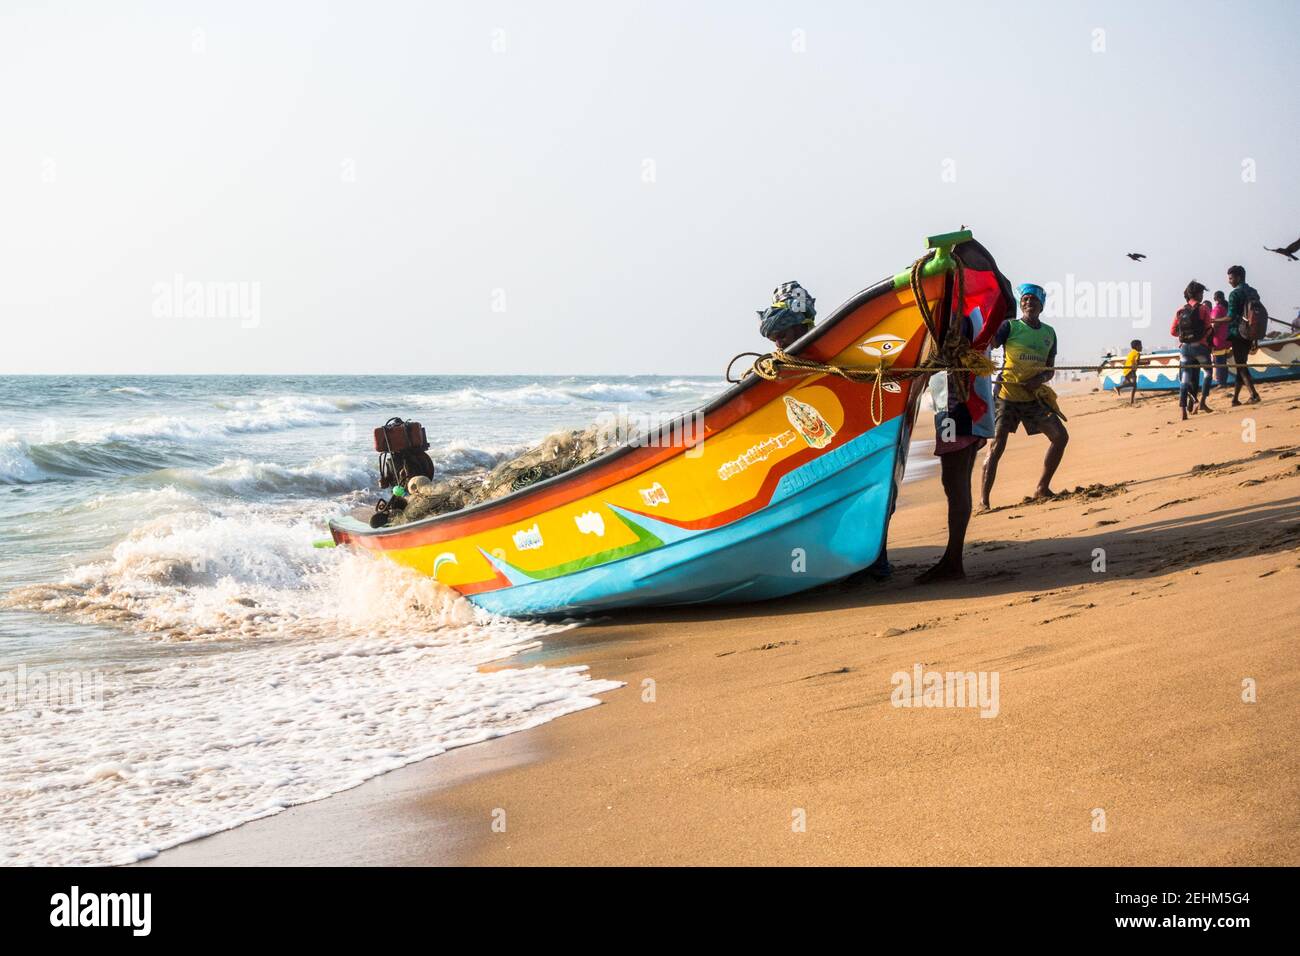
1241 343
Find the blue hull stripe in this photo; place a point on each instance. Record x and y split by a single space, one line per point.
826 520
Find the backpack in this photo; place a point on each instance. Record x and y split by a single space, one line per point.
1191 324
1254 324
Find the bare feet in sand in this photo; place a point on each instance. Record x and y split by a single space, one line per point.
943 571
1043 492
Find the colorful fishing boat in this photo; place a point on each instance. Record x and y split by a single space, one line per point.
774 487
1280 358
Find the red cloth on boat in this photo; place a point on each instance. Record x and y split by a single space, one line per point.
986 288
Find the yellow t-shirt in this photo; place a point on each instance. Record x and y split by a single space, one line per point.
1026 351
1130 363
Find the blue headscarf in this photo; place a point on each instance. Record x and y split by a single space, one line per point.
1036 291
774 320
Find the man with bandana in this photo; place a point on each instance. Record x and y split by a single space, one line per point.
792 313
1023 395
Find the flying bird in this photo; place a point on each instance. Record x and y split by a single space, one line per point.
1136 256
1288 251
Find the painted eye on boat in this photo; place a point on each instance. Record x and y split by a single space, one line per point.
882 346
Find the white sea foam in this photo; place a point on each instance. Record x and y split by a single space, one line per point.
277 405
548 395
459 457
238 418
623 392
531 395
16 465
176 428
345 667
334 474
190 575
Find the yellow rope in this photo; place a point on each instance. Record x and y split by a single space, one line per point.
877 402
771 365
953 354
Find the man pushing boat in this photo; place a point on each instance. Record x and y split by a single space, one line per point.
958 436
1023 395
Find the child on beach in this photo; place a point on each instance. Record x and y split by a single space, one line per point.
1131 363
1192 326
1023 395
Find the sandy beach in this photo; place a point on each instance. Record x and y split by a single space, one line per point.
767 734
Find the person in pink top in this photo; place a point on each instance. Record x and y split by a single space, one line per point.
1220 347
1193 327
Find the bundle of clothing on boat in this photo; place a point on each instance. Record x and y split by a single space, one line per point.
558 453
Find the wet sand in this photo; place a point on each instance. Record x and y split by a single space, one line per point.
767 734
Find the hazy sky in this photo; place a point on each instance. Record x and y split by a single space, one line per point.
609 186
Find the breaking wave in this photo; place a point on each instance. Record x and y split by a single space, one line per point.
459 457
548 395
193 575
16 464
335 474
342 668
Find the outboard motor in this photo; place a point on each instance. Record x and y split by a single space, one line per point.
403 452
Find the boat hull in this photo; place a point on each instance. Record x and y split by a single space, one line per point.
825 532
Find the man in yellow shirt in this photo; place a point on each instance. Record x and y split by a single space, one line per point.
1023 395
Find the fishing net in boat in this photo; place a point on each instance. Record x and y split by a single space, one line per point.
556 454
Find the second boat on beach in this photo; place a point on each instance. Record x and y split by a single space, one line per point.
1280 358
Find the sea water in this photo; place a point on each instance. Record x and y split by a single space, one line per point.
176 657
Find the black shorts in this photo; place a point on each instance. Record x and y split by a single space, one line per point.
1240 350
1008 416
